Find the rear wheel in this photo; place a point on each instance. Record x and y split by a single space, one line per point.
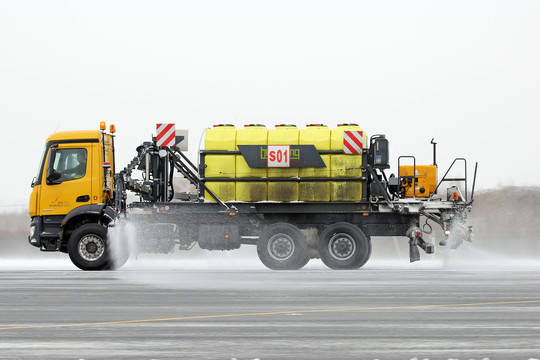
283 246
87 247
344 246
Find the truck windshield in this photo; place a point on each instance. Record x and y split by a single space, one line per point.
37 179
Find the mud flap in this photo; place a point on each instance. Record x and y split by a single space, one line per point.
416 241
414 253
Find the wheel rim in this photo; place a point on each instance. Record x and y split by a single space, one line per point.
280 247
91 247
342 246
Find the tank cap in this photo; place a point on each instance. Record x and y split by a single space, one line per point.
348 124
250 125
291 125
315 125
219 125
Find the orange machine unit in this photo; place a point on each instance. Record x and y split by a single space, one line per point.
425 180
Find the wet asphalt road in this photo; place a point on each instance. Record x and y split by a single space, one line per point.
261 314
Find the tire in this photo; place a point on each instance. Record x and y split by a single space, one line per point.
343 246
87 247
283 246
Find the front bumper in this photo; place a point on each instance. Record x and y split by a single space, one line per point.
35 230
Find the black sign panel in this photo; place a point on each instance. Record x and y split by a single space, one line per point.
300 156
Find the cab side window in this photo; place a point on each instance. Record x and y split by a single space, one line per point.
70 163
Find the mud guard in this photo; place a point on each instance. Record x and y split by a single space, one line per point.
104 212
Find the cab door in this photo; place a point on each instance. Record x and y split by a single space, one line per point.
67 181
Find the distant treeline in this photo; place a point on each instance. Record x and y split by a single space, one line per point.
507 220
14 224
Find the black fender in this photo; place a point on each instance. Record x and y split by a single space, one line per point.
99 213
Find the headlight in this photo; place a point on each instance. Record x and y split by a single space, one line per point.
32 231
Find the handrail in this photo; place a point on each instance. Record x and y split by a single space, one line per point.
464 179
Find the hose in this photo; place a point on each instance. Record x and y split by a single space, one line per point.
426 228
199 148
171 182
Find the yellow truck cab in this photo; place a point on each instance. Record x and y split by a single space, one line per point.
72 195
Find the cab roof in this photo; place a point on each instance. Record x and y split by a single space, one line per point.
75 135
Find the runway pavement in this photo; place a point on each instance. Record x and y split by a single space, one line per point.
254 313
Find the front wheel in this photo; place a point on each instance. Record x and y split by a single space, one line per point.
87 247
343 246
283 246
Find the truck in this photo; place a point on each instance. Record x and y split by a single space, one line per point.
295 194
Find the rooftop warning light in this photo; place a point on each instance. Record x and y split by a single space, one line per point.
102 126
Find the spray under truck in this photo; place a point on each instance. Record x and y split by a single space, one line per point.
295 194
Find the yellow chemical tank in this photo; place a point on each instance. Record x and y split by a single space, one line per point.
345 165
336 136
426 180
283 190
222 138
318 135
253 190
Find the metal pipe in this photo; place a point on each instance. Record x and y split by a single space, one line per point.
147 167
434 151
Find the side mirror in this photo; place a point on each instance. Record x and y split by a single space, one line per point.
53 176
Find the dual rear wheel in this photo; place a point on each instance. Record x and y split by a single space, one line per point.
283 246
341 246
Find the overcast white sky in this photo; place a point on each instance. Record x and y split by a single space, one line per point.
466 73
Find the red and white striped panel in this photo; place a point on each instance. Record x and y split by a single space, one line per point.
166 135
353 142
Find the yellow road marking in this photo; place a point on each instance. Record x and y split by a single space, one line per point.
267 313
